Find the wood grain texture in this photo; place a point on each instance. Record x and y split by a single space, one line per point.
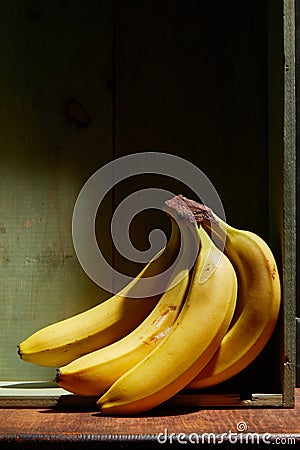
289 207
190 80
55 55
186 85
45 394
23 428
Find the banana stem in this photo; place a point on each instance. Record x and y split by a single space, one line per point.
193 211
200 214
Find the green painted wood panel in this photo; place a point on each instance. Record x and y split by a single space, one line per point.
289 204
202 83
192 81
56 61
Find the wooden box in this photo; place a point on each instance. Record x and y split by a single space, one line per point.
85 83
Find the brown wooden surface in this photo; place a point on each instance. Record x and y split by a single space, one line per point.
185 85
53 82
48 427
189 80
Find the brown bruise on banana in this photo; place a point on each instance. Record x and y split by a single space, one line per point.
273 270
157 337
159 320
157 323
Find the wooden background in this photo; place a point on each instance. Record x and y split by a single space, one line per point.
298 181
84 83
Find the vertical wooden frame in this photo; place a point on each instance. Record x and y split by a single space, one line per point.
128 135
289 206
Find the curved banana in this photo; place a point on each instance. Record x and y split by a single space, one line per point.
194 338
94 373
62 342
258 305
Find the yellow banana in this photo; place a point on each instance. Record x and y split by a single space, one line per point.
60 343
94 373
258 305
192 341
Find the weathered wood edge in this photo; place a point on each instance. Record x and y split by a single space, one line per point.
287 400
289 206
181 400
225 400
112 440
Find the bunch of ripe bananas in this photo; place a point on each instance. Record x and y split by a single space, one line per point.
204 328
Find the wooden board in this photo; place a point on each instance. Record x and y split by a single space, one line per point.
83 85
55 132
186 85
289 205
42 394
241 427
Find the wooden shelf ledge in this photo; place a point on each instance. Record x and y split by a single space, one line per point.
45 428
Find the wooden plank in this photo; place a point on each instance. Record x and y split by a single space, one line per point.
55 132
36 428
41 394
29 394
183 80
225 400
289 212
187 86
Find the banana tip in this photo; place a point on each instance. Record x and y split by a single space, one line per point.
101 405
19 351
58 375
